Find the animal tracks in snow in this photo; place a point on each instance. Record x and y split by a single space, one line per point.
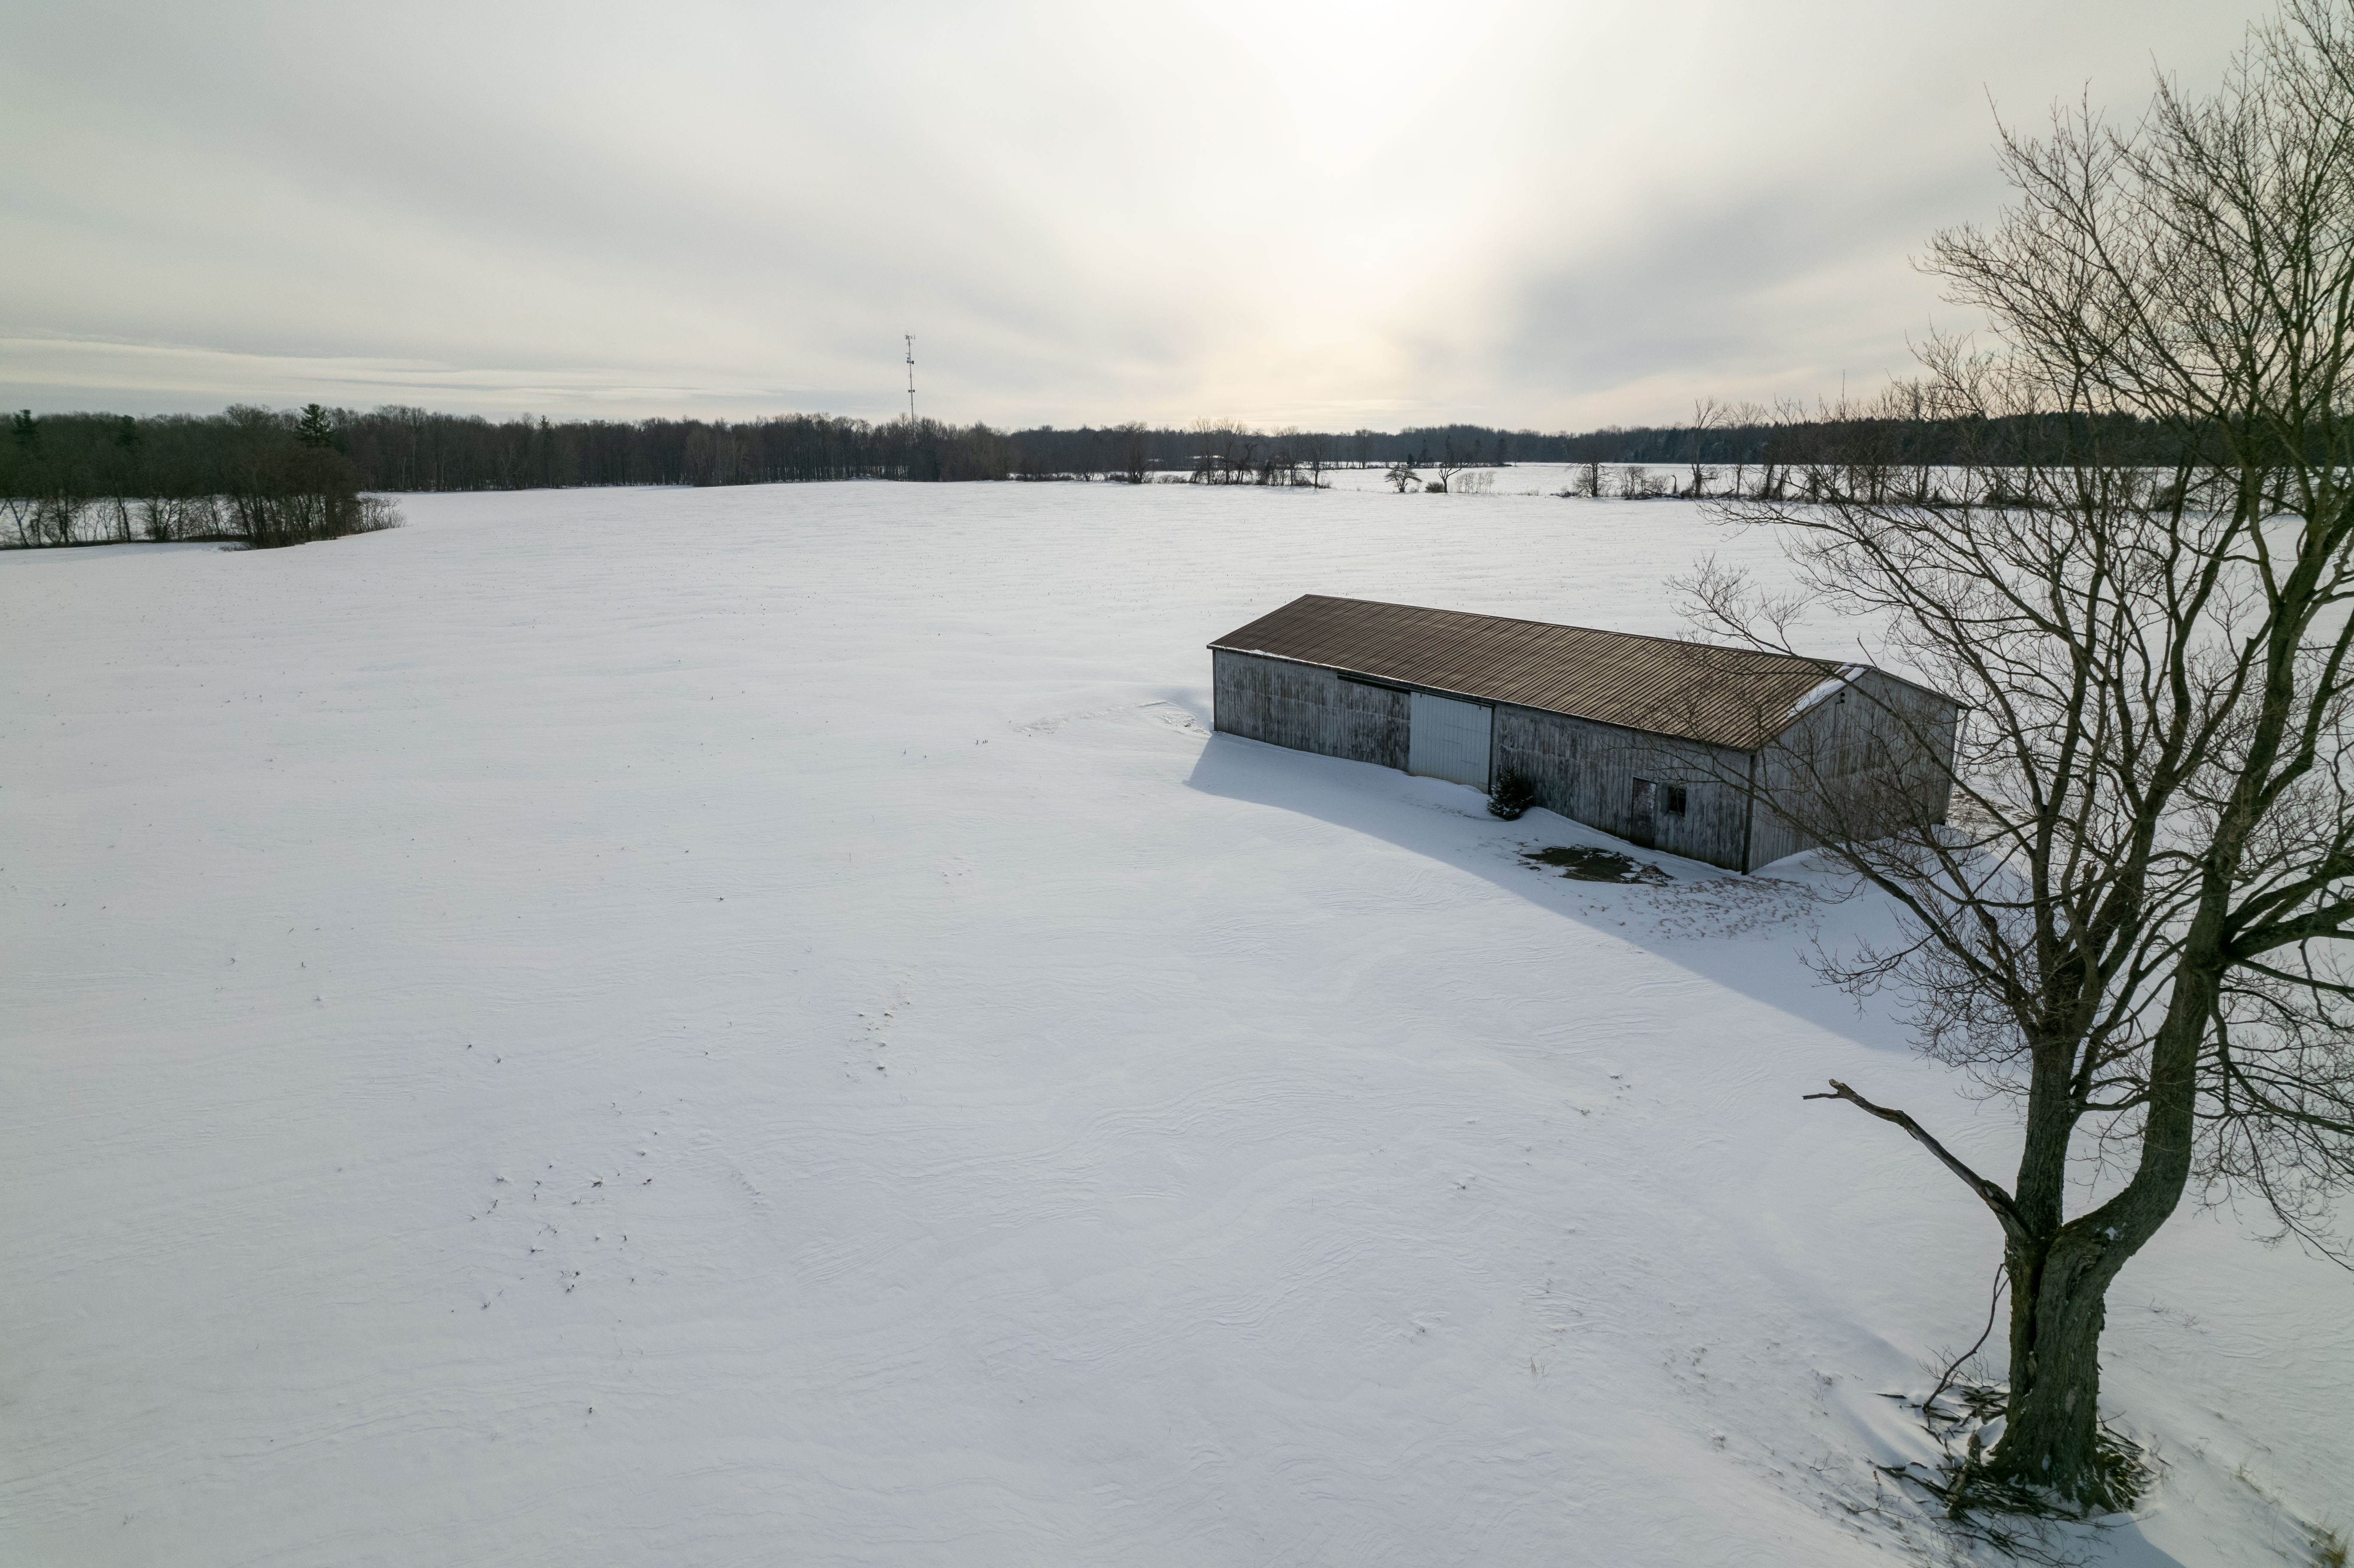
873 1041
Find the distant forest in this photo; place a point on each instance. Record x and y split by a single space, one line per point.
85 478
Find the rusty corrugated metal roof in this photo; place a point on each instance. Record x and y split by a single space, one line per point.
1725 696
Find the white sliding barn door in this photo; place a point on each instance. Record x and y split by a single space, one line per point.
1449 740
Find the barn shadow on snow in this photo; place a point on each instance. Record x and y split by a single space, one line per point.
1448 822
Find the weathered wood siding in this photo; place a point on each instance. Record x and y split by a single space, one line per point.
1377 723
1771 837
1876 757
1278 702
1308 709
1880 735
1587 772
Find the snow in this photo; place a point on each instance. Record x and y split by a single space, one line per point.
758 1025
1821 689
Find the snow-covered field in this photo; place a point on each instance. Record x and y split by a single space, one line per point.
758 1026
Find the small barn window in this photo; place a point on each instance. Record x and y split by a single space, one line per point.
1671 799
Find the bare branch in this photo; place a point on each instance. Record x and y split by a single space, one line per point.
1994 1197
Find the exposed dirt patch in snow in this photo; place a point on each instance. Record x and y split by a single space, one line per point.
1585 862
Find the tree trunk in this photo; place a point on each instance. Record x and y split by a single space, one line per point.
2058 1294
2060 1274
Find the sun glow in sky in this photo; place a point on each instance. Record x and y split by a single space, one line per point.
1532 215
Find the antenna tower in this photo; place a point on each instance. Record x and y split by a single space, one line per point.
911 378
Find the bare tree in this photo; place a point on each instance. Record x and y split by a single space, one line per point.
1226 451
1708 413
2139 922
1449 465
1744 417
1133 447
23 478
1281 467
1774 457
1315 455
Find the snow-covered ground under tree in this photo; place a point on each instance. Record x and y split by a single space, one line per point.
760 1026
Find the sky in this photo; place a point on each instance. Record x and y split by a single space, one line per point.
1554 216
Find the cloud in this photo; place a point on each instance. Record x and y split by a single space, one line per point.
1533 214
78 374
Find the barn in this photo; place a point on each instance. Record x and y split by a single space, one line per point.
1699 751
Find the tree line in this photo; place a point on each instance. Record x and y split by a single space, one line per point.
250 476
67 457
270 476
76 477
